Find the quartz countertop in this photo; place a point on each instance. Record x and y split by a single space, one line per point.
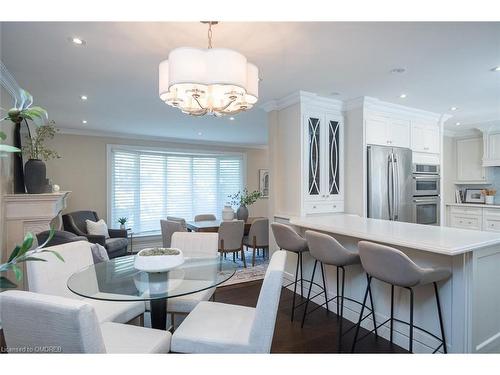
435 239
479 205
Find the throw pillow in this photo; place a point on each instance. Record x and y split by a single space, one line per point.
98 228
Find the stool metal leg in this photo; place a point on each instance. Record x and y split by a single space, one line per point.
373 308
309 294
324 286
361 315
295 285
411 320
339 346
338 307
445 349
301 278
392 311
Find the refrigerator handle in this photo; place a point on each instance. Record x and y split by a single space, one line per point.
395 167
390 185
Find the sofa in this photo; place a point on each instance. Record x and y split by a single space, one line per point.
117 243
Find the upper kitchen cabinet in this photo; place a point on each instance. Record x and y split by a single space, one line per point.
491 148
386 131
469 156
425 138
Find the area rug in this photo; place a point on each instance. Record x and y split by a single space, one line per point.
250 273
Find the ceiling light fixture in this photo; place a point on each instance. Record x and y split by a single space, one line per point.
77 41
457 124
231 118
402 96
83 97
453 108
398 70
216 81
84 121
496 69
200 133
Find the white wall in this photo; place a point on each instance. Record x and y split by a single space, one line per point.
83 168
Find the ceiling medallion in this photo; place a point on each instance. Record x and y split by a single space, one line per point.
216 81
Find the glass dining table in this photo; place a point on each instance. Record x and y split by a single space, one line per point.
117 280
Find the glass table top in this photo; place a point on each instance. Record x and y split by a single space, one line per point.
118 280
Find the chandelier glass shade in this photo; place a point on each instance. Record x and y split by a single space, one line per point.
216 81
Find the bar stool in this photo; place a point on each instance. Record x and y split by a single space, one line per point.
289 240
392 266
327 250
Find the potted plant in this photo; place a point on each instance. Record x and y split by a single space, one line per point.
35 172
122 221
244 199
23 254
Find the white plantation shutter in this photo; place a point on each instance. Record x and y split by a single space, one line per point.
147 186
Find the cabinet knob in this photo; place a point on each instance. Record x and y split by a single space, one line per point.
334 206
426 148
314 206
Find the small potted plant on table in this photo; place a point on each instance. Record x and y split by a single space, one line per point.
122 221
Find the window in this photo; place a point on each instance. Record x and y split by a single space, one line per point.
146 186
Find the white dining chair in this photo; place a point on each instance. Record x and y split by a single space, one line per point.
51 277
214 327
64 325
205 217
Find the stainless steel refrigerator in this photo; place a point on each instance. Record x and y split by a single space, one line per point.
390 191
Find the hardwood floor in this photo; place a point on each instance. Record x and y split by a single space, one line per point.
319 334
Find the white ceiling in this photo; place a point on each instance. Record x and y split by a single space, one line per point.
448 64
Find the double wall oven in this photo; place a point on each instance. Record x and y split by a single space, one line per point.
426 194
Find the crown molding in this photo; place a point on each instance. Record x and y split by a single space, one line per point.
469 132
98 133
302 97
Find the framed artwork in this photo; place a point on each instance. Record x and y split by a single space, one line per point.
474 196
264 182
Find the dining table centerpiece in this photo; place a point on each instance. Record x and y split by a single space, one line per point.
244 198
158 259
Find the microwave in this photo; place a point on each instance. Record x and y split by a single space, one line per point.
425 169
425 185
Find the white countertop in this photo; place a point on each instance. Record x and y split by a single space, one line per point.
435 239
480 205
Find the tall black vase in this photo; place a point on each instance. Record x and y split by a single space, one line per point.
35 176
18 161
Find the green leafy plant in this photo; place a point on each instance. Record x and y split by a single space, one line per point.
35 147
245 198
22 253
122 220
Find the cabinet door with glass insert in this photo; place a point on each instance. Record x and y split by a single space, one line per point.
334 158
313 155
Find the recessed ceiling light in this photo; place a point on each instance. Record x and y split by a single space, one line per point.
200 133
453 108
77 41
83 97
402 96
457 124
398 70
496 69
231 118
84 121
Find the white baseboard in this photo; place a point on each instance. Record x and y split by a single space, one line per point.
422 342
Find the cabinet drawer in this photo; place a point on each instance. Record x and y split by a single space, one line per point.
491 212
323 207
461 210
466 221
491 224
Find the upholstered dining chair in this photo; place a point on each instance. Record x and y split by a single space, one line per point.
231 238
168 228
117 243
51 278
258 237
214 327
32 320
178 219
205 217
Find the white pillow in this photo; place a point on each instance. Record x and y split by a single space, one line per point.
97 228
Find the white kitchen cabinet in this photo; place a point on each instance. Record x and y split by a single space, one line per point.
469 156
323 162
386 131
491 148
478 218
425 138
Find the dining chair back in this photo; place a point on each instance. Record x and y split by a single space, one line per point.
168 228
231 235
262 332
259 230
178 219
65 325
205 217
196 245
32 320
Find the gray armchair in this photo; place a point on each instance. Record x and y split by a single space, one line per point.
60 237
117 243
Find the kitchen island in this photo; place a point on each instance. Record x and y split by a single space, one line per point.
470 299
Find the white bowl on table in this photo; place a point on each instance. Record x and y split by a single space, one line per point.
158 263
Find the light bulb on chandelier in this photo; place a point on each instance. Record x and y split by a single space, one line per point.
216 81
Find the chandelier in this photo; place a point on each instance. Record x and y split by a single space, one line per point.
216 81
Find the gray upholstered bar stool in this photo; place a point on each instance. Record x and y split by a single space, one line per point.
328 251
289 240
397 269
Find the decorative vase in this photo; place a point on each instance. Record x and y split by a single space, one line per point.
122 226
227 213
242 213
489 199
35 176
